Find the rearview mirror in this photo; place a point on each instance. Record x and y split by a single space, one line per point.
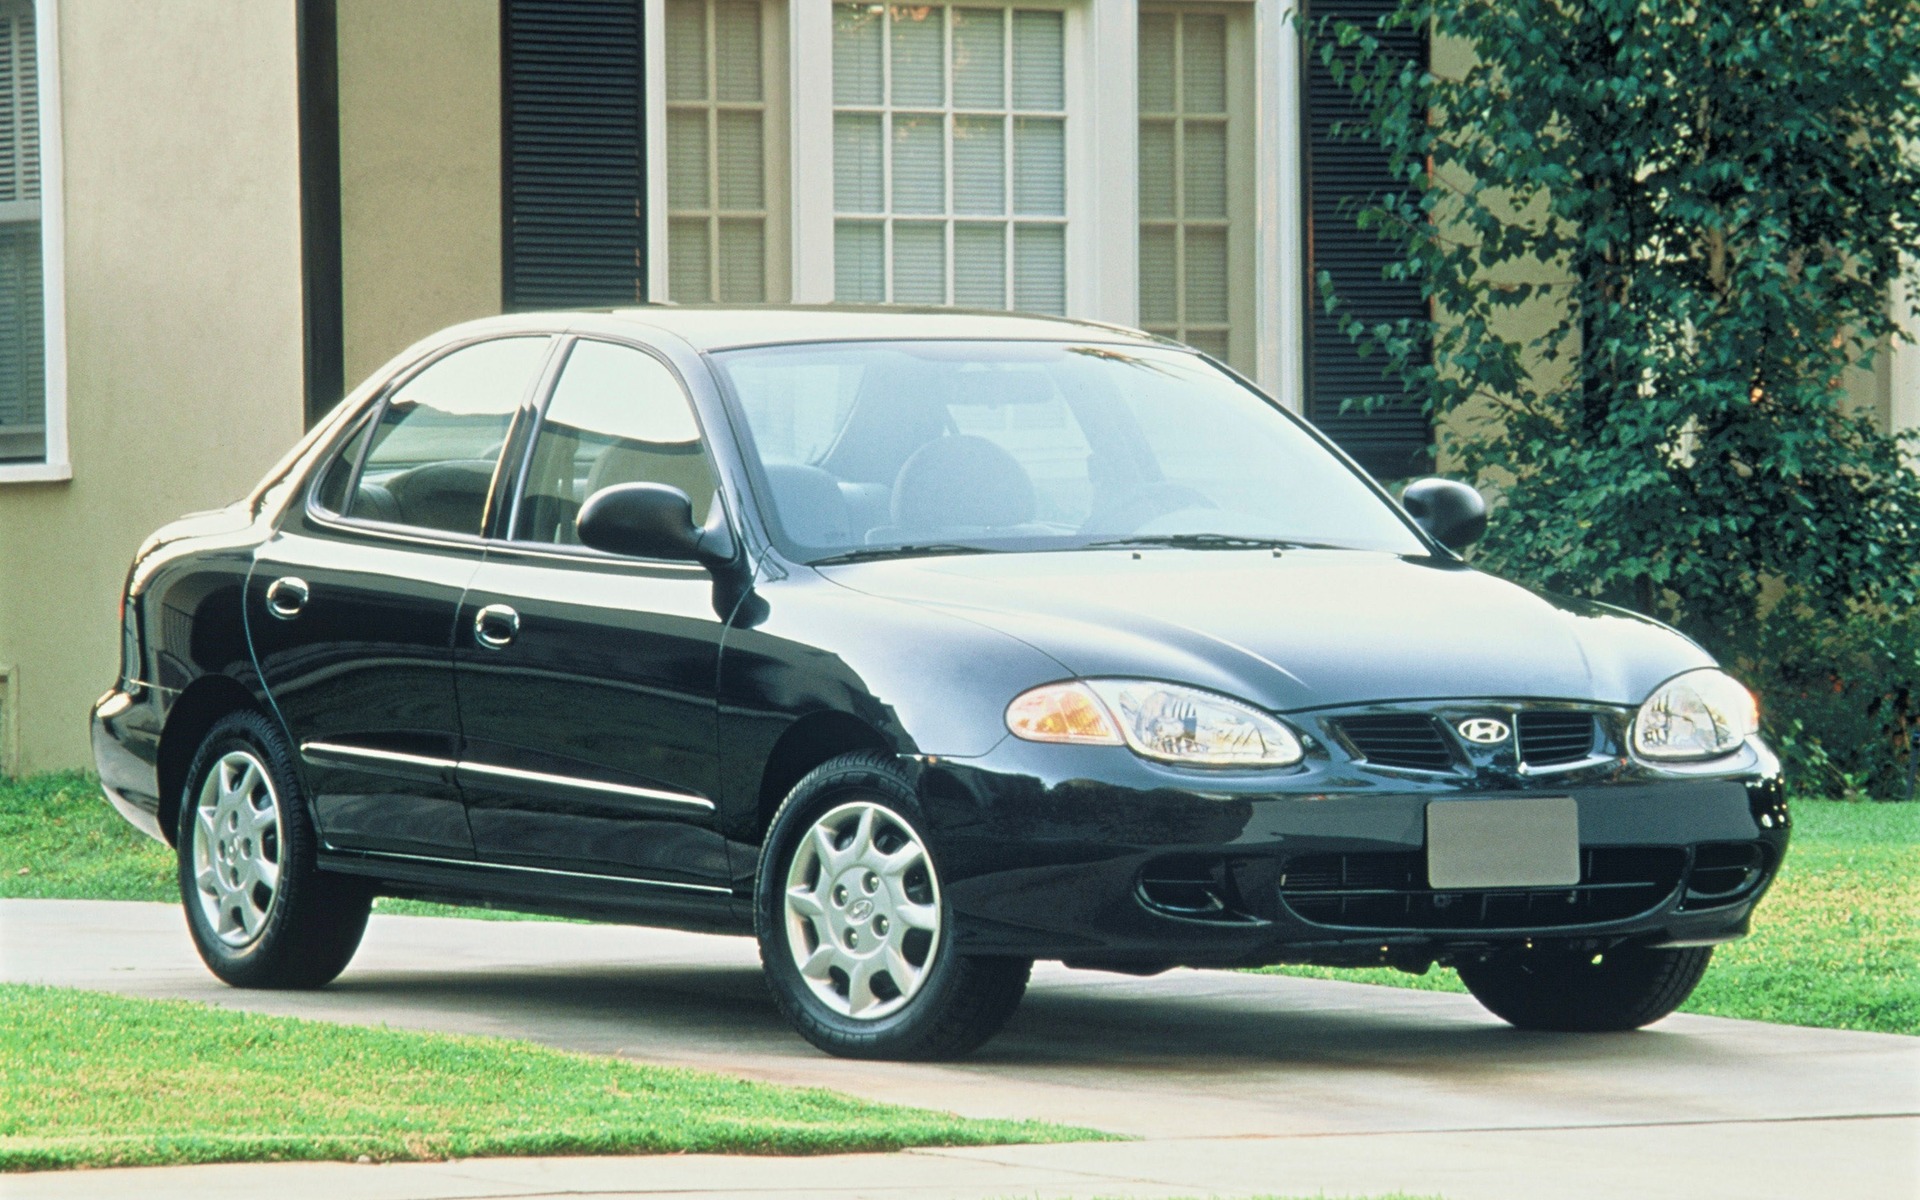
651 520
1452 513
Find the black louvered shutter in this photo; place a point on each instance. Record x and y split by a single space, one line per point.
575 179
1342 175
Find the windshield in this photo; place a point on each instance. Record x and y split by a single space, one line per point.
871 447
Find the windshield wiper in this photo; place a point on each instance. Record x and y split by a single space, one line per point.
1209 541
915 550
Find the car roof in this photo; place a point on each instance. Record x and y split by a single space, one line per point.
722 328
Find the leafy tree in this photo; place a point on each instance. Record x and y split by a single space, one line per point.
1711 198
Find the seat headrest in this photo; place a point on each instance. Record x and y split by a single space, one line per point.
961 480
811 507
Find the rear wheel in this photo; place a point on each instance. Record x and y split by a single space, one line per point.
261 914
854 930
1560 990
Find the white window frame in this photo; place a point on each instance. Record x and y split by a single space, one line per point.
776 95
57 465
1103 220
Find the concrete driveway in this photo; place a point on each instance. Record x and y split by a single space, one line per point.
1236 1084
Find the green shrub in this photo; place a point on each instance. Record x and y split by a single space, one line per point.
1707 204
1840 699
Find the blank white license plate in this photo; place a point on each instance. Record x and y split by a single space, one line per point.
1503 843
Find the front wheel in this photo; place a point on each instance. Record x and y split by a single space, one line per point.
261 913
854 931
1565 991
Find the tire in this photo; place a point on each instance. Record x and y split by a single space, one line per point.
261 914
847 876
1623 988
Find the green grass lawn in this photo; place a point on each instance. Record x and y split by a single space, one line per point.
1836 943
61 840
94 1080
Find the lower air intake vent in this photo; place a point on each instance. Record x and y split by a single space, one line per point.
1388 891
1549 738
1723 872
1408 741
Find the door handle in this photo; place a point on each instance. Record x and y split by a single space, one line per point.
495 625
286 596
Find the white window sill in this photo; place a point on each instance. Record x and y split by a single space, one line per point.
35 472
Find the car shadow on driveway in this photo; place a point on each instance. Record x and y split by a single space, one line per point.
1222 1021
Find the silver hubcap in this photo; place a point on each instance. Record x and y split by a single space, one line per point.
863 911
236 847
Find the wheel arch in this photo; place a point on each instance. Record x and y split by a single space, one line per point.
808 742
203 703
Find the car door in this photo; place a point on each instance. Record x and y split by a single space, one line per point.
351 604
587 681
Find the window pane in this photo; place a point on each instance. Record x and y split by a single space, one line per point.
743 261
23 377
687 159
979 165
432 459
1039 58
857 30
858 185
919 164
689 260
742 159
331 495
1156 62
1159 285
1206 274
1039 166
1158 169
980 265
617 416
686 50
1204 62
736 50
23 384
1210 341
919 263
1040 268
1205 170
919 59
978 51
859 262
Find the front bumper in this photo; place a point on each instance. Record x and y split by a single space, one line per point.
1102 859
125 727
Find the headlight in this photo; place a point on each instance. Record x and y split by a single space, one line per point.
1701 714
1157 720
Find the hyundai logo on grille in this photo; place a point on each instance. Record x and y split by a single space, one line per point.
1484 731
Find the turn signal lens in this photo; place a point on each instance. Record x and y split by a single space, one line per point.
1062 712
1701 714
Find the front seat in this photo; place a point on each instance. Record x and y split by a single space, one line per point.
960 484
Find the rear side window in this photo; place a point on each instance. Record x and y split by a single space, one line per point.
617 416
431 458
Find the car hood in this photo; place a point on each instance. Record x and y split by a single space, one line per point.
1298 629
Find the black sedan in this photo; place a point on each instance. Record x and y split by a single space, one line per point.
919 646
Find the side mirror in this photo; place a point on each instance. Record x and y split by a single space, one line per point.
651 520
1452 513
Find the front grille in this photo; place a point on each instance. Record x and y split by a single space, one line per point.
1407 740
1549 738
1388 891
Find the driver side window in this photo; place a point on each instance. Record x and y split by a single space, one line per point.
617 416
